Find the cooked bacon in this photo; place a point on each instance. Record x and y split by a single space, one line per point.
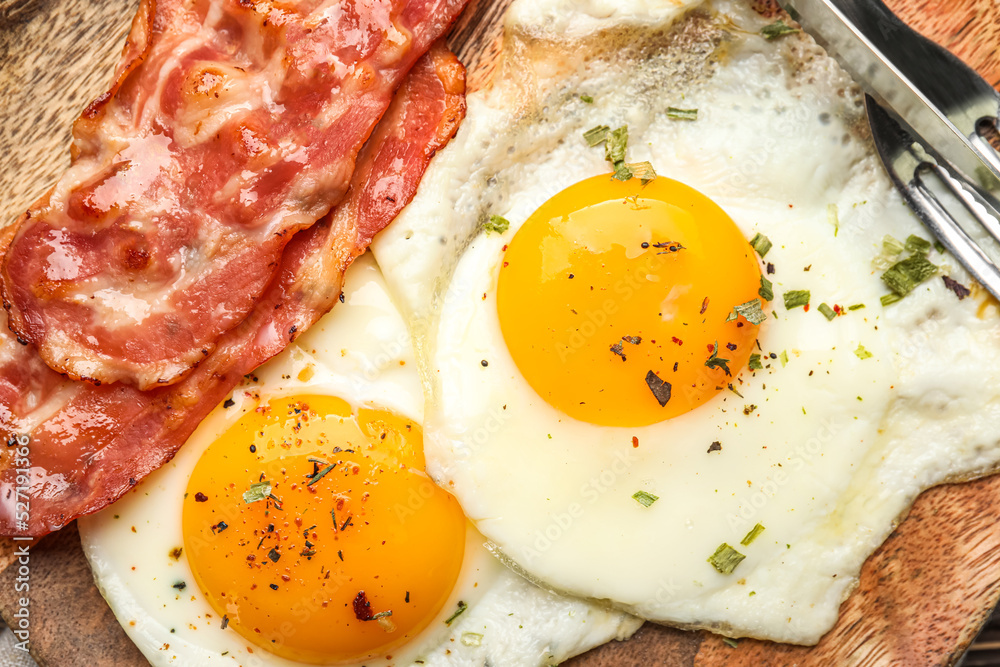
231 126
90 444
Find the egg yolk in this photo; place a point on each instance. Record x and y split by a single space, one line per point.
616 300
316 534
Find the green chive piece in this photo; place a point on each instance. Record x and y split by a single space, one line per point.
751 310
496 224
682 114
827 311
891 245
862 353
614 147
761 244
643 171
752 535
833 217
915 244
939 247
754 363
777 29
888 299
458 612
586 99
729 641
257 491
622 172
596 136
857 306
766 290
320 474
783 358
725 559
904 275
796 297
644 499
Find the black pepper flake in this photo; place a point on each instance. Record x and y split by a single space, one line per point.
571 276
668 246
645 245
660 389
617 349
273 555
270 527
225 623
676 364
770 269
253 449
407 599
773 355
730 346
274 587
960 290
200 497
228 403
342 297
362 608
219 527
484 363
704 306
180 585
340 554
715 447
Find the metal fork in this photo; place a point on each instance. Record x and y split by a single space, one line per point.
922 178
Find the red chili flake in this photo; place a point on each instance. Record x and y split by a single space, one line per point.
805 308
635 441
200 497
704 306
362 608
710 348
837 309
678 340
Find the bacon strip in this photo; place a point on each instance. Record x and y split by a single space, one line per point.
231 126
90 444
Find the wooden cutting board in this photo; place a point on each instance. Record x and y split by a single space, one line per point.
923 595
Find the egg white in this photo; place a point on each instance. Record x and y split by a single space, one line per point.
838 444
361 353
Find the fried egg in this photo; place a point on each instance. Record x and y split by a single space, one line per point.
297 526
631 400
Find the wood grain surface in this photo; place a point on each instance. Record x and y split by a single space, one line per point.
922 596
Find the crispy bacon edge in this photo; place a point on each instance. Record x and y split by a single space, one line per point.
89 445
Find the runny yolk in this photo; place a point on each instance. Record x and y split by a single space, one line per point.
316 563
613 289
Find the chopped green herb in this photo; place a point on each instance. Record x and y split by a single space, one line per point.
904 275
257 491
796 298
614 147
751 310
471 639
643 171
888 299
596 136
714 361
496 224
622 172
939 247
682 114
891 246
766 290
761 244
725 559
754 363
857 306
915 244
729 641
827 311
644 499
777 29
833 217
319 474
862 353
458 612
783 358
586 99
752 535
